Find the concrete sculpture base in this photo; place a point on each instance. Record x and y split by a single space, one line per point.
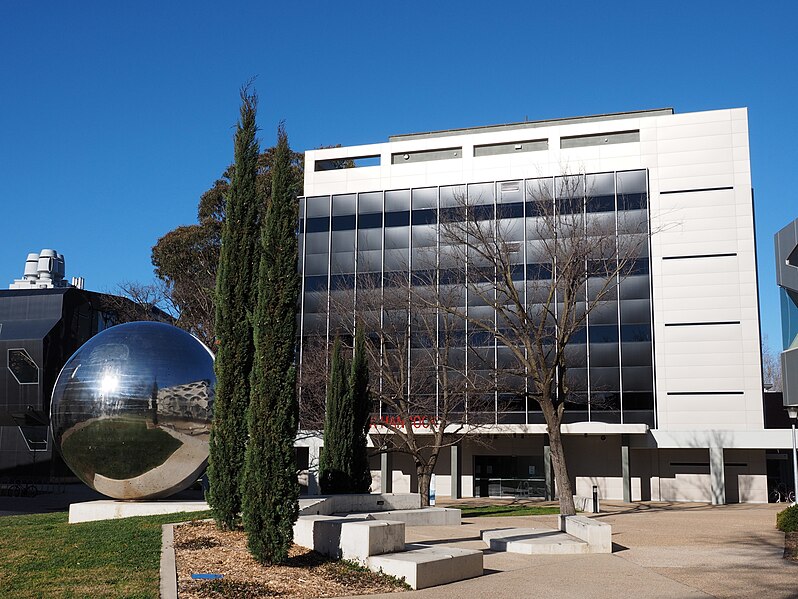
110 509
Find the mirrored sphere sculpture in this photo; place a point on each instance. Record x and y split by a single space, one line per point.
131 410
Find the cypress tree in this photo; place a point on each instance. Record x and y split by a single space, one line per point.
270 486
360 400
235 295
335 460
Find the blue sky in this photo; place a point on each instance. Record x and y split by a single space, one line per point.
115 117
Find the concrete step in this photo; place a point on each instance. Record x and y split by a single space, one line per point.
534 541
423 566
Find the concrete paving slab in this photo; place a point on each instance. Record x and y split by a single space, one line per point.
670 551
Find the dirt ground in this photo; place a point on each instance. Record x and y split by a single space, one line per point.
200 548
791 546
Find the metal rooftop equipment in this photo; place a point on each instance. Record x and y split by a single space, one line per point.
45 270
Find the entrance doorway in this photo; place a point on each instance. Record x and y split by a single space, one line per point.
509 476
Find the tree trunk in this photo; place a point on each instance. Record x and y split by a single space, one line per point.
424 474
566 494
564 490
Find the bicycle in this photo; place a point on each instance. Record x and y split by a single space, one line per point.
781 494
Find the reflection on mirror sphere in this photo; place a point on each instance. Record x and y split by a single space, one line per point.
131 410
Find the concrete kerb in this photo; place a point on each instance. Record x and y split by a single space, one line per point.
168 585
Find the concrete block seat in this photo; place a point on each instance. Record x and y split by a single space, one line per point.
349 537
534 541
577 534
598 535
423 566
425 516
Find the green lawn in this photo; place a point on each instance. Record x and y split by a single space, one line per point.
509 510
44 556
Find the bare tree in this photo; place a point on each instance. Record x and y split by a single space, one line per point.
575 253
132 301
425 398
771 366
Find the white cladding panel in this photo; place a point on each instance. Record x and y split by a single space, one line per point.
708 226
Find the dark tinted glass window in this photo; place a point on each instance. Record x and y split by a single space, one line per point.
538 271
636 266
397 219
638 400
343 223
538 208
569 206
316 283
635 332
454 214
369 221
632 201
22 366
600 204
483 211
344 281
425 217
603 334
452 276
513 210
318 224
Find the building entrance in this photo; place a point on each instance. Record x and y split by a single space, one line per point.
509 476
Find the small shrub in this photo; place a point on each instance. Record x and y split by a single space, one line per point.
787 520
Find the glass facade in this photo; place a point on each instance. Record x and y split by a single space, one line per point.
789 317
365 243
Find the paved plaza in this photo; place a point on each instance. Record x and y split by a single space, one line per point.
668 551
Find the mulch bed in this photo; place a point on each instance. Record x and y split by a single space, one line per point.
791 546
200 548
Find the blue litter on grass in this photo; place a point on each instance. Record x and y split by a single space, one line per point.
206 576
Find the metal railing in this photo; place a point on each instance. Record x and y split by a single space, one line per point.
511 487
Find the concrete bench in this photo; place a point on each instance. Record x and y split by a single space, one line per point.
427 516
423 566
597 535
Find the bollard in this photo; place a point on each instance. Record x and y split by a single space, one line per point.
595 499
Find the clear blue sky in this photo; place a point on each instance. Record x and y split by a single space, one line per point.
115 117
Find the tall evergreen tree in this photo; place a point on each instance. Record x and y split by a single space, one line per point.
270 486
235 295
336 455
360 399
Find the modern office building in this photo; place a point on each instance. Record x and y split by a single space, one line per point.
669 368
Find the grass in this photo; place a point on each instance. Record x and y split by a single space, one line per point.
43 556
103 447
509 510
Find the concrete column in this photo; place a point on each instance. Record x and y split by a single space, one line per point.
386 472
457 490
547 468
625 470
314 451
717 477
